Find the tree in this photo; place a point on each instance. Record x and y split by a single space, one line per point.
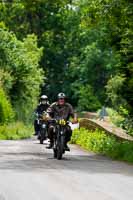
6 111
87 100
85 42
19 62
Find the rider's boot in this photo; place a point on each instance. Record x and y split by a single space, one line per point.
67 147
35 134
50 146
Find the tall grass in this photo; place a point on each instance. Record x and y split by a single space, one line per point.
15 131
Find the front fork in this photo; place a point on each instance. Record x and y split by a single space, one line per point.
57 137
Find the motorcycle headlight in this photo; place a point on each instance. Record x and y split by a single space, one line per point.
43 125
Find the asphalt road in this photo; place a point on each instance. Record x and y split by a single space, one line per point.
29 172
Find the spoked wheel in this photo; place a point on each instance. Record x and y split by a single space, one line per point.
55 153
59 154
55 148
42 135
60 148
41 138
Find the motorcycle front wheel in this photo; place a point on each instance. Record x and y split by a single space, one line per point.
60 147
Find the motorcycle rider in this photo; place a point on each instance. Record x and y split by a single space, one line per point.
64 110
43 106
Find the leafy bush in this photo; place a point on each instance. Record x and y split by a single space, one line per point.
115 117
6 80
108 145
15 131
128 125
6 111
113 88
87 100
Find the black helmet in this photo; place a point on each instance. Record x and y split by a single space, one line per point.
61 96
43 97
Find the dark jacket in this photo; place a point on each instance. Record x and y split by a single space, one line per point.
41 108
56 111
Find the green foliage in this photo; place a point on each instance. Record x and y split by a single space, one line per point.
123 117
114 92
6 80
20 73
128 125
86 45
46 20
87 100
108 145
15 131
115 117
6 111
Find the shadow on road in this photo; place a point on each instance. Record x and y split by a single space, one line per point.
27 161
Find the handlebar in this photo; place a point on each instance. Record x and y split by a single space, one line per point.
59 120
40 115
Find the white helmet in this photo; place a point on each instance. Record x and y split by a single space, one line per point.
43 97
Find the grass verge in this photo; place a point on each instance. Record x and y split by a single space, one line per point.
15 131
99 142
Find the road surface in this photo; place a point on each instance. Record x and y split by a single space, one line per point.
29 172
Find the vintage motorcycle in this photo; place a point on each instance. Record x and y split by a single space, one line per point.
43 124
59 137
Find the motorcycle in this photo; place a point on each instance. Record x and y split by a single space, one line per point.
42 123
59 137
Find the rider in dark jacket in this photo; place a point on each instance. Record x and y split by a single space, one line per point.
60 109
42 106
